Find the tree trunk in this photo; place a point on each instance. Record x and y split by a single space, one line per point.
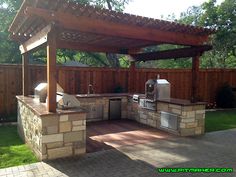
109 4
113 60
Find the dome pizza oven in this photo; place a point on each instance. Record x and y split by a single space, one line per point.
157 89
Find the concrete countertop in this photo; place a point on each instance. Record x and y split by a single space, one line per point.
103 95
180 102
41 108
176 101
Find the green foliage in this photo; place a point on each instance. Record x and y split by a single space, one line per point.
225 97
12 150
9 50
222 18
124 62
117 5
8 9
191 16
92 59
118 89
170 63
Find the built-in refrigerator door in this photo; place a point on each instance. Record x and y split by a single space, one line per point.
114 109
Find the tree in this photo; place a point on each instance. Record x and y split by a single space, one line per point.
222 18
9 51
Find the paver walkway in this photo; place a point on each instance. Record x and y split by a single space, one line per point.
216 149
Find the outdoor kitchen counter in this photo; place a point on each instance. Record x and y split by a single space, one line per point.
98 105
177 116
103 95
41 108
180 102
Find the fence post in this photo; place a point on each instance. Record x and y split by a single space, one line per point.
131 77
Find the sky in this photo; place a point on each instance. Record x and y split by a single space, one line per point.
157 8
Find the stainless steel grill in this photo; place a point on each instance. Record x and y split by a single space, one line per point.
154 89
157 89
40 92
64 101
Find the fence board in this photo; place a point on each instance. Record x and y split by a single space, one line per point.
75 80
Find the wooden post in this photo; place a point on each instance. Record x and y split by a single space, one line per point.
51 72
195 72
131 77
25 75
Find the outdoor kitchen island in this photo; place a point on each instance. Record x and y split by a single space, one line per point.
177 116
63 133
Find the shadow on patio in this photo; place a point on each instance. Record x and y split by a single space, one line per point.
103 164
141 160
114 134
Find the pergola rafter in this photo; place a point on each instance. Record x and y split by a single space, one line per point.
86 24
68 25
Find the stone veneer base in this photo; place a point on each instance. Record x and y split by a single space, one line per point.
190 117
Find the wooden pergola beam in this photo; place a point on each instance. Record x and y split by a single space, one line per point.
25 74
172 54
37 40
86 24
195 73
87 47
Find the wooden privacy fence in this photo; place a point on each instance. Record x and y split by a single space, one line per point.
75 80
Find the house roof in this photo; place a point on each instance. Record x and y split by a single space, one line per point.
90 28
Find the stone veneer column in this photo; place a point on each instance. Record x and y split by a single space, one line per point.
52 136
191 118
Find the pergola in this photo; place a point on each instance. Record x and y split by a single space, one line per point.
61 24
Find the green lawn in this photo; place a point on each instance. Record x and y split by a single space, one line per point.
13 151
220 120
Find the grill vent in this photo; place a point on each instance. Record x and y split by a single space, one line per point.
169 120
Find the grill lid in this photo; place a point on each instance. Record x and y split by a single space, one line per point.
162 81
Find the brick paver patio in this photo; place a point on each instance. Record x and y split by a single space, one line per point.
216 149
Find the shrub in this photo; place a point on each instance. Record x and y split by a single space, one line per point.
118 89
225 97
